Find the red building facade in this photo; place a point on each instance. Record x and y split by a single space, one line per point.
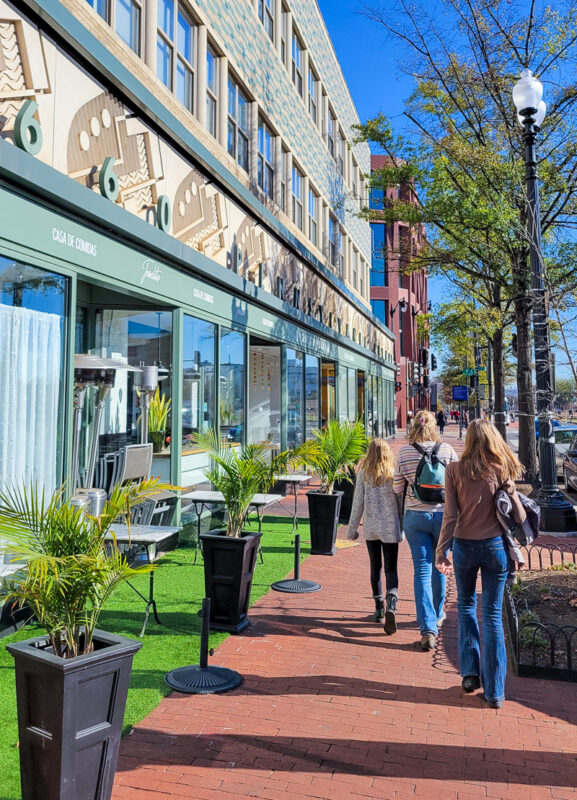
399 297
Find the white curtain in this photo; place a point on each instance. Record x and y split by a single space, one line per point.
30 376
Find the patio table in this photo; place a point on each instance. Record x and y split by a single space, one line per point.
150 539
201 499
295 480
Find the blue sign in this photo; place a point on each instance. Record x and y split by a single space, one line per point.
460 394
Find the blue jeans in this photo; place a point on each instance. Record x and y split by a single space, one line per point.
489 556
422 529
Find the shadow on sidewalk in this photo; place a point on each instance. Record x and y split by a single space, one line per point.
353 757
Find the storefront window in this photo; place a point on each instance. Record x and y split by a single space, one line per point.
295 392
264 422
198 379
32 335
352 394
311 395
369 402
232 384
328 392
343 393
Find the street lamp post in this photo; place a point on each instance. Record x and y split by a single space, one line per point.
557 514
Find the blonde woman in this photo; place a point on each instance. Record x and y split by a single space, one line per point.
486 466
375 500
422 524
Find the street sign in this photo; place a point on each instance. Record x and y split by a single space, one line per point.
468 371
482 369
460 394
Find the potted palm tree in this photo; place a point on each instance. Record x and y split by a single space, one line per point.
72 683
230 554
332 454
157 419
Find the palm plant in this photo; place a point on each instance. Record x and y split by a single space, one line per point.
158 412
69 569
239 474
334 451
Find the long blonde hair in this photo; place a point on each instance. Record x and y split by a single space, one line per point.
486 453
379 463
423 428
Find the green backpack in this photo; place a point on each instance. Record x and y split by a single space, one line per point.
429 485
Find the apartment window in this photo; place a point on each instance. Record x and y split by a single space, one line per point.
334 241
377 199
101 8
381 310
265 167
297 63
297 197
355 268
331 133
296 298
238 124
280 288
313 216
211 89
176 73
354 182
313 96
378 255
283 36
283 177
362 278
128 20
340 153
266 15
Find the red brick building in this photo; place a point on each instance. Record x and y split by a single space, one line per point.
399 297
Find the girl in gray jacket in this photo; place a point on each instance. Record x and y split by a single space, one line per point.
376 501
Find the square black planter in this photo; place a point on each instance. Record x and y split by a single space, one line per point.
70 715
324 519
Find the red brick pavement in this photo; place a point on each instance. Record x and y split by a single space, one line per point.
332 708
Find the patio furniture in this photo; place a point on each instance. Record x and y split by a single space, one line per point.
295 480
145 544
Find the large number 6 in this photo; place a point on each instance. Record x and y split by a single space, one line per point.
163 213
27 131
108 180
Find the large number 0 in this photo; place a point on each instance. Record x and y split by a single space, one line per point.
163 213
108 180
27 131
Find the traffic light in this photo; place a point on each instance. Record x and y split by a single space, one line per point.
398 386
433 362
424 357
425 381
472 381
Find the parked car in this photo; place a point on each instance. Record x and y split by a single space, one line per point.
568 458
556 424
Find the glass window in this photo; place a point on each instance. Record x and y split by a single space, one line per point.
185 30
313 216
331 133
295 397
264 420
265 160
377 199
283 177
352 394
313 96
379 255
380 310
211 89
33 306
101 8
232 385
238 125
334 242
340 152
175 72
343 393
355 267
328 392
312 395
297 197
266 16
297 63
164 61
128 13
283 37
198 379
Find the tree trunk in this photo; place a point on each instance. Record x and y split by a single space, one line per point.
499 382
527 438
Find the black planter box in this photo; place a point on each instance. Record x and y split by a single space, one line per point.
324 519
228 569
348 490
70 714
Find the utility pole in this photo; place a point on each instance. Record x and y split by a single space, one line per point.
478 393
490 378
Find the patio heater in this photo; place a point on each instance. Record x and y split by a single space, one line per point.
150 377
91 370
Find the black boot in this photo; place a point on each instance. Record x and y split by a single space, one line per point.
379 609
390 620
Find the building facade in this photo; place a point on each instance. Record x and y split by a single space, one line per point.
399 298
178 187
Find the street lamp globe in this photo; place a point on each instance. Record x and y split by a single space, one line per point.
527 93
539 116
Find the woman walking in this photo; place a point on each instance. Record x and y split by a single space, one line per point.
441 420
486 466
376 502
422 523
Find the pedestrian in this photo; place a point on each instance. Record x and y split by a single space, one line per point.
471 522
465 418
377 503
422 521
409 420
441 420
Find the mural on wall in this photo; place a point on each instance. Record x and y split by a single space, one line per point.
84 130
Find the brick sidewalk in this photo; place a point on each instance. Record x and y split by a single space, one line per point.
331 708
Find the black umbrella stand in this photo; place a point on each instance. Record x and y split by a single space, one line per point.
200 678
296 585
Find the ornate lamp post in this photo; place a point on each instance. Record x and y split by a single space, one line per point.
557 514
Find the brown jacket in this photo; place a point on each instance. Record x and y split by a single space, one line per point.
470 507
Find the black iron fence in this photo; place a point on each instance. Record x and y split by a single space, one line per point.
542 649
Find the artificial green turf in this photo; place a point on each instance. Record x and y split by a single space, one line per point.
179 588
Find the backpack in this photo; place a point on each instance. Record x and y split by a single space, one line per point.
429 485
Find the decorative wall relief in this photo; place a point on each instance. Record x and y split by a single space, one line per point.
199 215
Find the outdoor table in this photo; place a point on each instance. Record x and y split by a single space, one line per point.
150 538
295 480
203 498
